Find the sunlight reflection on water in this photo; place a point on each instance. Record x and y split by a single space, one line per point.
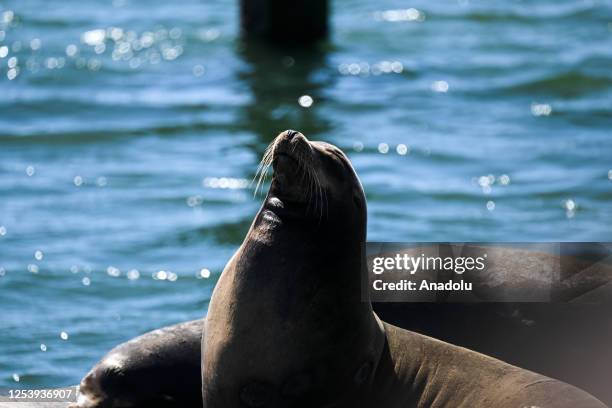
130 133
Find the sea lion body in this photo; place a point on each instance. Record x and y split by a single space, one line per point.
418 371
427 367
158 369
275 308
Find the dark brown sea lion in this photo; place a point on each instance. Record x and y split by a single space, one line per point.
158 369
288 325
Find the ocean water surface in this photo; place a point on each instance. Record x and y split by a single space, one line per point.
130 131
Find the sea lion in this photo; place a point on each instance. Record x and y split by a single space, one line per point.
288 325
158 369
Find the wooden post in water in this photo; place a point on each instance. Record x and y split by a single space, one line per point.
285 21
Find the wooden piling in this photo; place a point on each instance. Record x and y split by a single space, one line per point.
285 22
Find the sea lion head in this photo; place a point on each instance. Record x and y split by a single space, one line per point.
287 325
314 186
104 385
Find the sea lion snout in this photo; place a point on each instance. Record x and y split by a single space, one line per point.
291 157
289 134
292 144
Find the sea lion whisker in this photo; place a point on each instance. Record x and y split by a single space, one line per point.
319 196
314 197
312 204
315 192
261 172
264 166
261 164
307 190
307 173
304 179
311 192
257 177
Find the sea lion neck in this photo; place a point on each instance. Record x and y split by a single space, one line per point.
328 246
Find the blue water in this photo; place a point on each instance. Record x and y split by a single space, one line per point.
129 130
